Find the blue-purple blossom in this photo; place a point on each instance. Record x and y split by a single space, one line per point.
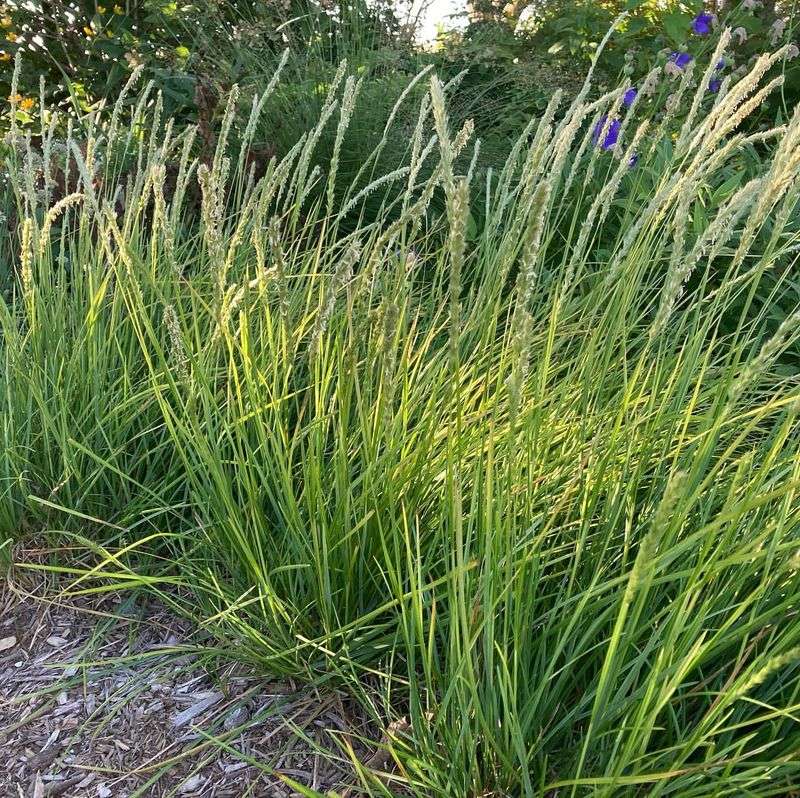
720 64
714 85
629 96
612 133
701 24
633 160
681 60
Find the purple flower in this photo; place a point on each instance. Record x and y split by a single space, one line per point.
714 85
633 160
612 133
720 64
681 60
702 23
629 96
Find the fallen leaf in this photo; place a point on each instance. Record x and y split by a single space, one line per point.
8 642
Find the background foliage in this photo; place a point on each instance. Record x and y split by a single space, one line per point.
515 55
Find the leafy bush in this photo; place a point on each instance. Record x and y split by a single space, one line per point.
518 57
84 52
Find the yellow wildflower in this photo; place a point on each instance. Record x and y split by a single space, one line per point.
5 56
119 9
11 36
101 9
27 103
6 22
88 31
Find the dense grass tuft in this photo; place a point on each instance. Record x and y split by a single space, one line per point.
532 485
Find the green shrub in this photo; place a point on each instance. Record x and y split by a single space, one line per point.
79 54
518 57
85 51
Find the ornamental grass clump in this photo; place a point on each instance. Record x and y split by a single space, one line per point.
532 486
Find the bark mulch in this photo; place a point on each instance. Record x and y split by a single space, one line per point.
113 697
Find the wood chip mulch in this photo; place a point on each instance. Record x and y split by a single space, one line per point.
111 698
